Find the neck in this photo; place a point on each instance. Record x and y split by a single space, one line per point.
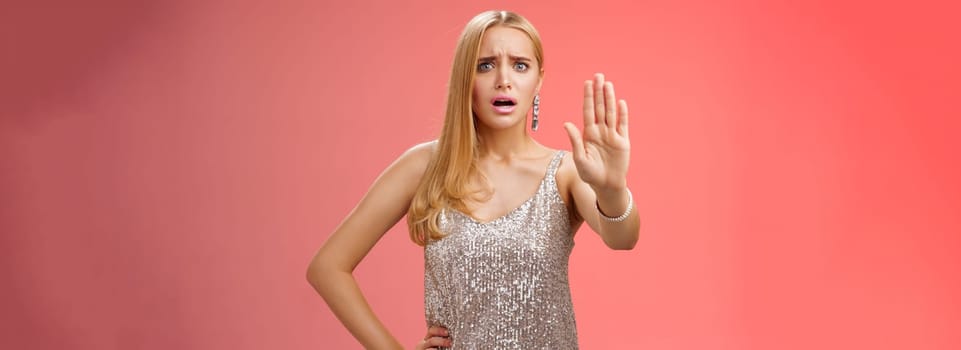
504 144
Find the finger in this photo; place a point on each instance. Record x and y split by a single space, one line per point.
577 145
599 99
589 103
437 341
437 331
622 118
610 105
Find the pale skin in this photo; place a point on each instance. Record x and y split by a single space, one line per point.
513 164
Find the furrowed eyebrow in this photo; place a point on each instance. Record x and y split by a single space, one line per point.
512 57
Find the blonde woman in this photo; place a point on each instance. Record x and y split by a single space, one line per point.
495 210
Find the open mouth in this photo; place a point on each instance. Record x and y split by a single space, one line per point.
504 104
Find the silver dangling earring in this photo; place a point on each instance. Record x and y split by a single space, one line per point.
537 109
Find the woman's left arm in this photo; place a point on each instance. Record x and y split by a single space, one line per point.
601 157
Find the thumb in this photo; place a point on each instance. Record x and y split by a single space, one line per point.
577 145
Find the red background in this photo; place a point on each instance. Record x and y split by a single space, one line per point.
169 168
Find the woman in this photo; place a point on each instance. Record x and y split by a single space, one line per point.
495 210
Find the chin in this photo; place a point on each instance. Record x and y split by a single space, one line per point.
499 122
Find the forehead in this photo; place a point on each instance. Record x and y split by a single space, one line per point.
501 40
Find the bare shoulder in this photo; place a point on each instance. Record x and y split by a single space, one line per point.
412 164
421 151
572 189
417 157
566 171
384 204
566 177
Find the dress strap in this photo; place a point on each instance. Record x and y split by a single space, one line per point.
555 163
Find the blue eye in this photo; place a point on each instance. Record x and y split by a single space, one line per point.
485 66
520 66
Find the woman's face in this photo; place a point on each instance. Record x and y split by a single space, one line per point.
507 78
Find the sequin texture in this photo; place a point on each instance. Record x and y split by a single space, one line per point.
503 284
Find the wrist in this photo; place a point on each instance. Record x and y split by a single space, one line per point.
611 191
615 206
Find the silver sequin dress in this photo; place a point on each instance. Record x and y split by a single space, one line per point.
503 284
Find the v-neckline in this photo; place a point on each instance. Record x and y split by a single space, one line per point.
540 186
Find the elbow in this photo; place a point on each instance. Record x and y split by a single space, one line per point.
624 243
312 276
317 272
623 240
628 245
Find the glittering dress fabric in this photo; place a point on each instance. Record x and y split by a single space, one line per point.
503 284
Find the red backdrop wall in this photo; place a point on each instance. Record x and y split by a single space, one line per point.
169 168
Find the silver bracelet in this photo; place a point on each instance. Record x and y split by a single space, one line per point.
630 205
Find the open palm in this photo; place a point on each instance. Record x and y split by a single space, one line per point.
602 153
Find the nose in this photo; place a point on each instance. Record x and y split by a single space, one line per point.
503 78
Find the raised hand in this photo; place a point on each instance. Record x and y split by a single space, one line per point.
602 153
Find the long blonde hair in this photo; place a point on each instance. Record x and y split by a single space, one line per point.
453 164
